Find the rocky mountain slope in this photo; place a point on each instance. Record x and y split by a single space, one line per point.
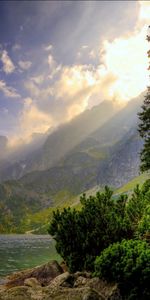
58 143
110 154
91 132
107 155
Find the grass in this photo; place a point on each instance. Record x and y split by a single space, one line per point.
38 222
131 184
62 197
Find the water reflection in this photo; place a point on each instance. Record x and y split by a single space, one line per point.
24 251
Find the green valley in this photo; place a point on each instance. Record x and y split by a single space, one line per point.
22 216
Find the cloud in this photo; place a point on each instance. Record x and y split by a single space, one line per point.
122 70
66 96
8 66
54 68
8 91
73 80
92 54
125 58
58 93
51 61
48 48
144 14
32 88
25 65
55 71
120 74
31 120
74 88
38 79
85 53
85 46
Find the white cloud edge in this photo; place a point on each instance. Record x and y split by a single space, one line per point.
8 65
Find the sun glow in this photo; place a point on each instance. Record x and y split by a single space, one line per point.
118 73
126 58
144 10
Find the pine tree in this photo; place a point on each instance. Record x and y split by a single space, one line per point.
144 126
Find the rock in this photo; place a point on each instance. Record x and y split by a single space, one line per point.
63 280
49 282
57 281
16 293
91 295
103 288
84 289
72 294
83 274
22 293
3 281
80 281
32 282
44 274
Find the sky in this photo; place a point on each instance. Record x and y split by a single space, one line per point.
58 58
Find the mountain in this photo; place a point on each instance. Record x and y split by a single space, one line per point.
58 143
13 160
84 131
123 163
71 134
107 155
16 205
21 215
80 170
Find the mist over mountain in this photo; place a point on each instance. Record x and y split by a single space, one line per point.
94 149
96 134
113 147
46 150
12 159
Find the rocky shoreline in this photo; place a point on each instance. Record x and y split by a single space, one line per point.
52 281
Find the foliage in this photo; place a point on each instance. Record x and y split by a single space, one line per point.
81 235
12 212
143 229
137 205
144 130
128 264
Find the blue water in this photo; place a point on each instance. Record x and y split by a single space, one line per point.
19 252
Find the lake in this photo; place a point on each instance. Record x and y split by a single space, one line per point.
19 252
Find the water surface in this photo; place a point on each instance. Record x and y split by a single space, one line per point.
24 251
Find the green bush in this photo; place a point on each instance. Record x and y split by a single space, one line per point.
143 230
81 235
128 264
137 204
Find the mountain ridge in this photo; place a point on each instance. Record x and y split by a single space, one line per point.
109 155
61 141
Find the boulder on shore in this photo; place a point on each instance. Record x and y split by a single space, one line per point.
44 274
49 282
